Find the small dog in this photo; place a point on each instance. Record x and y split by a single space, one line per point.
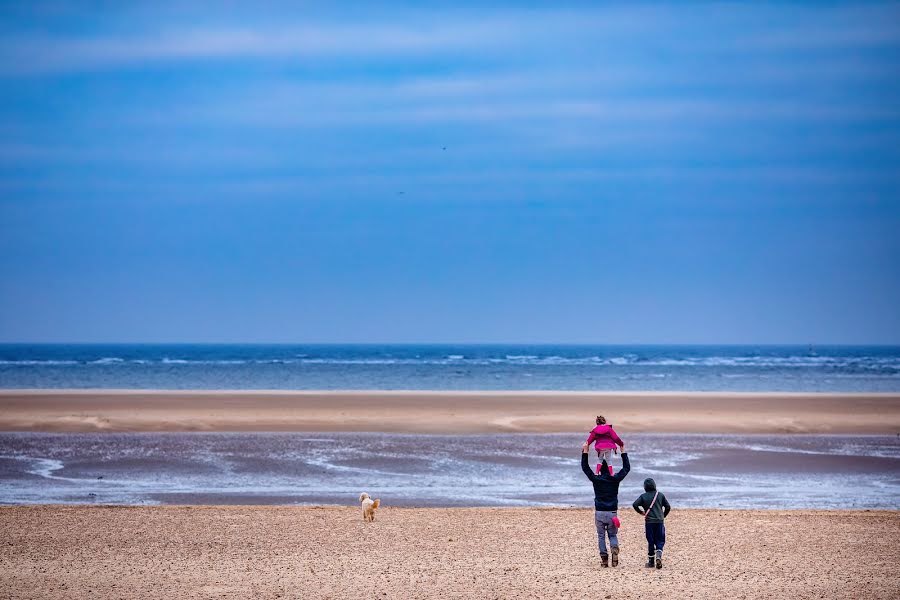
368 506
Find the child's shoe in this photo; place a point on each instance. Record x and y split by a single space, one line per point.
604 560
650 563
610 470
599 466
659 559
615 556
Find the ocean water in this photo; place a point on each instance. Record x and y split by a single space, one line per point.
453 367
712 471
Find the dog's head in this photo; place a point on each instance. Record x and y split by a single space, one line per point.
363 496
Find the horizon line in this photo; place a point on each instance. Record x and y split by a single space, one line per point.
439 343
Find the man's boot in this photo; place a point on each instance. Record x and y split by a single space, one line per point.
650 562
604 560
659 559
615 556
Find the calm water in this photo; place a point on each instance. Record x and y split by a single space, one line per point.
449 367
732 471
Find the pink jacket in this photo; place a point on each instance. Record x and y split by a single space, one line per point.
604 437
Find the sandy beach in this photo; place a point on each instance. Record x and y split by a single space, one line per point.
445 412
289 552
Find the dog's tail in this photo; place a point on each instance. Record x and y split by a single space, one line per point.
363 496
376 503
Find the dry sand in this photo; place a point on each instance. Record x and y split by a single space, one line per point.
446 412
289 552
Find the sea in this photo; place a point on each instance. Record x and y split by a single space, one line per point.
695 470
452 367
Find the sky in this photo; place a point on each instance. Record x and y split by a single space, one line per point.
450 172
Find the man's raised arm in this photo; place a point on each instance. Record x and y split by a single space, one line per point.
584 463
626 466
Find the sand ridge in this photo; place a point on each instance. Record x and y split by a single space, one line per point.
446 412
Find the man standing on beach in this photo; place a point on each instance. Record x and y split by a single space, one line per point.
606 503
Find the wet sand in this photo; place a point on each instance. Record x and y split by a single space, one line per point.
427 470
286 552
446 412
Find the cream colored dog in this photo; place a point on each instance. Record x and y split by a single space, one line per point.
368 506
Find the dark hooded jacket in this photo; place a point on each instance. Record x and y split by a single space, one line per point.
606 486
660 509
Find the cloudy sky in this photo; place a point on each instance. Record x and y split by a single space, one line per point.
379 172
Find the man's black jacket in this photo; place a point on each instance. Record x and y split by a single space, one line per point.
606 486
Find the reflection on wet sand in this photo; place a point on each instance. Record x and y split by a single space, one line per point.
698 470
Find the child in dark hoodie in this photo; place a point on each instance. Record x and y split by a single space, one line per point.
655 508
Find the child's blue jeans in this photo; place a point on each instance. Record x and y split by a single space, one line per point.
656 537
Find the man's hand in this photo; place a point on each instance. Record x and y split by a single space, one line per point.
584 448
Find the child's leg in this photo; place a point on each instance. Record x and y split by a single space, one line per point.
604 454
659 540
659 537
656 539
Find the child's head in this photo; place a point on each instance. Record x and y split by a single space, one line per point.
601 420
649 485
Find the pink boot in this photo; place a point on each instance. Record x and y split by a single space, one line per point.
600 466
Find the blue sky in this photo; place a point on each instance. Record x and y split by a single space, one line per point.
484 172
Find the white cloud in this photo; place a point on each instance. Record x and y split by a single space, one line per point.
605 35
22 55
